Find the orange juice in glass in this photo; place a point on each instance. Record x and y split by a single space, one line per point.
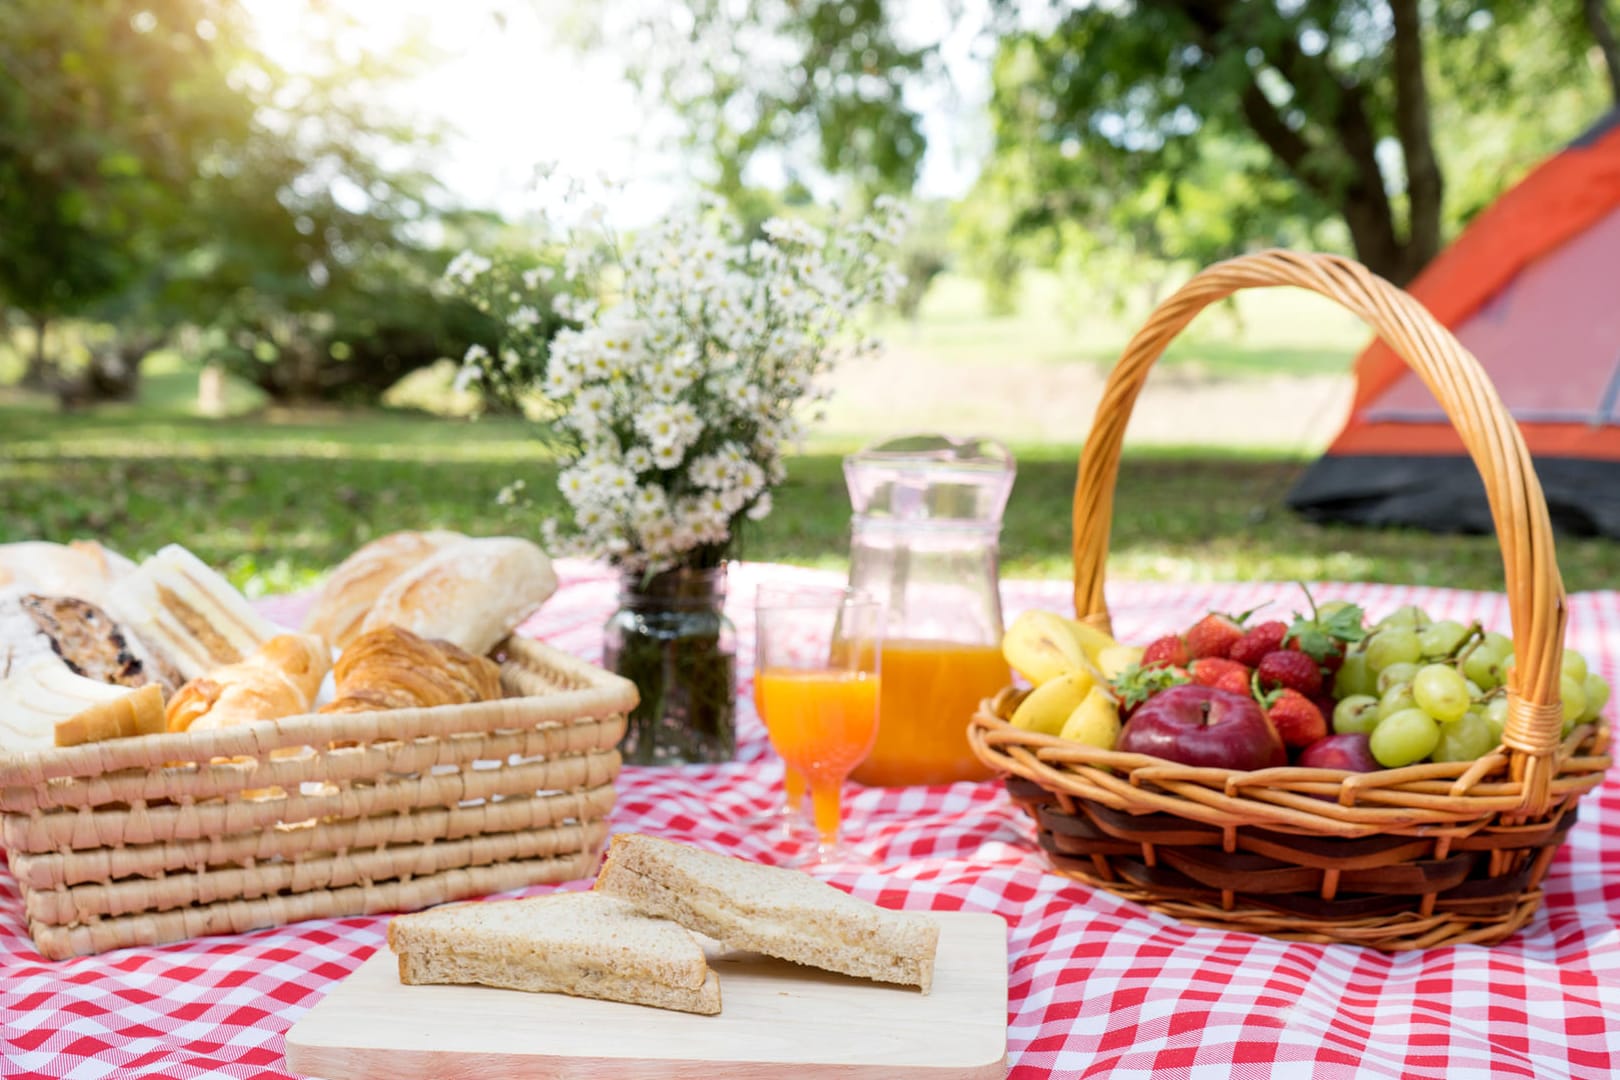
817 685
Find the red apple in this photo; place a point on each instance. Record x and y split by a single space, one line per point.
1200 725
1348 752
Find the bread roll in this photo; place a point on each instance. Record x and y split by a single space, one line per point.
281 679
82 568
472 593
354 586
392 668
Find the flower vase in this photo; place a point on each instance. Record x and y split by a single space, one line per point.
672 639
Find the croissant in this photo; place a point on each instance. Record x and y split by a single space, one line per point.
281 679
392 668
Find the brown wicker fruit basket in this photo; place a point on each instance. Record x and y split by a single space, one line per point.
1430 854
164 837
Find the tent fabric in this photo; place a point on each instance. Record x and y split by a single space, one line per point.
1532 288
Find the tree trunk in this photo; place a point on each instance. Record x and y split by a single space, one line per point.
40 369
1425 189
1597 21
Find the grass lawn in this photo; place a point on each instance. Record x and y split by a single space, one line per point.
278 499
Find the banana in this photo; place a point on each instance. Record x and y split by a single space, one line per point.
1041 645
1094 722
1049 705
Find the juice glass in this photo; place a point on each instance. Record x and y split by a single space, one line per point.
816 683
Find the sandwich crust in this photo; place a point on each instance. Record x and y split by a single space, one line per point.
771 910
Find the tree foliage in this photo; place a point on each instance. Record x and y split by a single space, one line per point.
1171 129
158 169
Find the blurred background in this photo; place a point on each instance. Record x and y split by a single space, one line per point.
223 225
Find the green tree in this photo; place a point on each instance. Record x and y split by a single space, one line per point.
107 114
1185 129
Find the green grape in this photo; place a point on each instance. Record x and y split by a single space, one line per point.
1396 674
1411 617
1354 677
1408 736
1475 691
1573 695
1465 739
1356 714
1393 645
1484 662
1496 716
1394 700
1597 696
1508 667
1574 665
1441 639
1441 692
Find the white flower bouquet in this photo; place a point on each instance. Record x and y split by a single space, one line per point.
673 372
688 359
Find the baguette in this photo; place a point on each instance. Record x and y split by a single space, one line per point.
349 594
472 593
583 944
771 910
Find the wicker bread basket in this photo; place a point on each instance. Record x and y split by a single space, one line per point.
1430 854
164 837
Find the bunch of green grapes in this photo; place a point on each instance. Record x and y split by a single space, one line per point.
1421 689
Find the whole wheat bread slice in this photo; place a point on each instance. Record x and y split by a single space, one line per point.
585 944
771 910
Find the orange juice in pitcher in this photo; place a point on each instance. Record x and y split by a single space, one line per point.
925 542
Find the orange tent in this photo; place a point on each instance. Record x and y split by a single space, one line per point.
1532 288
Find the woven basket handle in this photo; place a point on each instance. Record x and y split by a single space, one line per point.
1534 589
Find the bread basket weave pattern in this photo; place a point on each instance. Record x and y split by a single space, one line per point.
1399 859
164 837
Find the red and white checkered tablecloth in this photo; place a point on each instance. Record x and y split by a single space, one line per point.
1098 986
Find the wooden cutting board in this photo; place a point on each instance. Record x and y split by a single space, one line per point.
777 1019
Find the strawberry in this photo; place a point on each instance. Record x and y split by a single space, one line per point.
1168 651
1262 639
1296 718
1292 669
1222 674
1213 635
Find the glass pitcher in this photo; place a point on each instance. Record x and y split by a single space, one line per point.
925 540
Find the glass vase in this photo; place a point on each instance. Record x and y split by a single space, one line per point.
672 639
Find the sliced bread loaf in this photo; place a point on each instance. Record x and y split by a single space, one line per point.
771 910
585 944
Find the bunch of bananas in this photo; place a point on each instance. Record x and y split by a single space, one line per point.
1069 665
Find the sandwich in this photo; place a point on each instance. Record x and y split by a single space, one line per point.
45 704
772 910
187 615
585 944
79 568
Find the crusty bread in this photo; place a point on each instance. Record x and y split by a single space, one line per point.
584 944
187 615
46 704
770 910
139 712
349 593
472 593
82 568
